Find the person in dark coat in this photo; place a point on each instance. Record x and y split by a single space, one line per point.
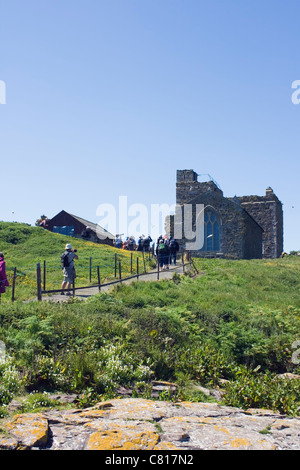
163 253
3 278
174 248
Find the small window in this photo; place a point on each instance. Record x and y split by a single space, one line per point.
64 230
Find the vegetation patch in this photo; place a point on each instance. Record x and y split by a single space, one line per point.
230 329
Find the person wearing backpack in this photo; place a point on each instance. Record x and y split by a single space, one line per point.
174 247
163 253
67 260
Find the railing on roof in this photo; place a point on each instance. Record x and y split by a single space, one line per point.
210 178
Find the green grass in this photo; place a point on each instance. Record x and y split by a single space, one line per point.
236 321
25 246
249 309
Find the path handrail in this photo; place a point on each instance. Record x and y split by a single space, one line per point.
105 284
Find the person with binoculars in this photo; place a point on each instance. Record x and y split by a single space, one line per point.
67 260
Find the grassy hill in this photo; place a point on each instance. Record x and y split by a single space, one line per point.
25 246
232 327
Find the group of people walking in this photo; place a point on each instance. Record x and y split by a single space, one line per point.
143 243
166 248
166 251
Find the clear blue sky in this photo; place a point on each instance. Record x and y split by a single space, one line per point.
106 98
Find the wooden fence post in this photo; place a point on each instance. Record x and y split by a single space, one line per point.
73 282
39 281
90 269
137 267
44 283
99 279
115 264
144 261
13 286
120 271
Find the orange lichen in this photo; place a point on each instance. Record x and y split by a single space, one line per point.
117 439
93 414
240 443
30 429
218 428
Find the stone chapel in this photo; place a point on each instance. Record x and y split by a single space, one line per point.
242 227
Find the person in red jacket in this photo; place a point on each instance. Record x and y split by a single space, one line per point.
3 278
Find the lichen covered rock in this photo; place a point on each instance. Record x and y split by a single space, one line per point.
137 424
30 430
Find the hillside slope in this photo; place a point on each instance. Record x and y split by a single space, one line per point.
24 246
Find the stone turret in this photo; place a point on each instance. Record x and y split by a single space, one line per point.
188 186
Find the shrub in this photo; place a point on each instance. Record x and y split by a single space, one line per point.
118 367
10 380
205 364
37 400
88 398
47 375
256 390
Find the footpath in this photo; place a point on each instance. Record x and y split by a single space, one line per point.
85 293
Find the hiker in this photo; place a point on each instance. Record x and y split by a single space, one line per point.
146 243
167 256
3 278
44 222
163 254
174 247
140 243
68 267
131 245
157 244
118 241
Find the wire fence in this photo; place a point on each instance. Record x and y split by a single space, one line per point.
91 272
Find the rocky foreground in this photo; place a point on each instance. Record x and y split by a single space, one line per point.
138 424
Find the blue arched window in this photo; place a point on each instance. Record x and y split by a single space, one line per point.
211 232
